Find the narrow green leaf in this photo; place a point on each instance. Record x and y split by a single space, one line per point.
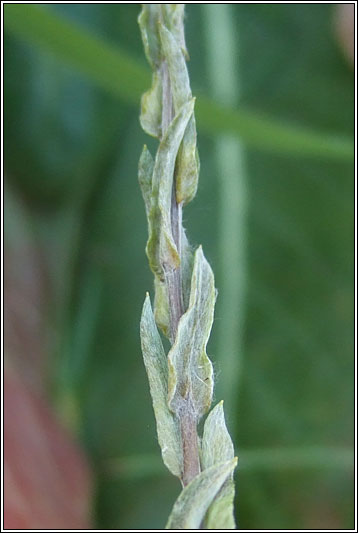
107 65
259 131
178 73
190 507
161 306
118 73
190 369
148 24
156 366
217 446
186 268
151 108
320 458
161 248
145 173
173 15
220 514
187 170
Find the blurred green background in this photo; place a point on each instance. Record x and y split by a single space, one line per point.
275 215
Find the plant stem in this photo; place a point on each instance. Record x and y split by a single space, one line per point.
191 463
188 422
172 277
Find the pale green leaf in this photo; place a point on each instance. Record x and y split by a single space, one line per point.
190 369
190 507
173 16
220 514
145 173
156 366
151 108
148 24
161 301
161 306
178 72
187 171
161 249
217 447
186 268
216 444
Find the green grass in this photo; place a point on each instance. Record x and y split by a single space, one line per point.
118 73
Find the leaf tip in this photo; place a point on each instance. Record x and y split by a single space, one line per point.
146 305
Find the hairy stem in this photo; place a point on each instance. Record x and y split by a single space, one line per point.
191 463
188 423
182 383
172 277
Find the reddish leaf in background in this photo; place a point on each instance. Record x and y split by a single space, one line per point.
47 482
46 477
344 22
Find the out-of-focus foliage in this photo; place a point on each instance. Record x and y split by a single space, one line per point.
72 151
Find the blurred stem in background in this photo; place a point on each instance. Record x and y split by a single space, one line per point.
229 156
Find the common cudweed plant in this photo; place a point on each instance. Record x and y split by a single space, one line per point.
181 382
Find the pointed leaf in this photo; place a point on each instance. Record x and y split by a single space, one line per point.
217 447
178 72
186 267
216 444
190 507
190 369
148 24
151 108
187 168
156 366
145 173
161 301
161 249
161 306
173 16
220 514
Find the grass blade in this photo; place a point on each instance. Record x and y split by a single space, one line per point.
118 73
